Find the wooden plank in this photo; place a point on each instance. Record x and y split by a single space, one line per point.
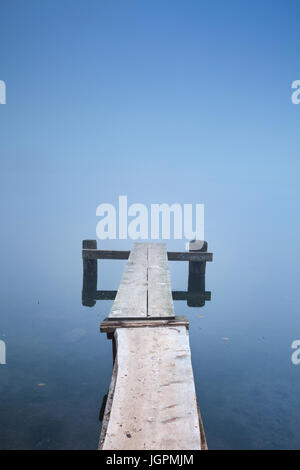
88 253
154 404
131 299
105 254
109 325
189 256
160 302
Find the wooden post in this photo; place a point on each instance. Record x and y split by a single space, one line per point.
89 285
196 282
111 336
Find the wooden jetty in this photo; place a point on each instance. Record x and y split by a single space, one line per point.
151 401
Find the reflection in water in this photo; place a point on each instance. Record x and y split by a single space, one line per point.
195 296
196 283
102 409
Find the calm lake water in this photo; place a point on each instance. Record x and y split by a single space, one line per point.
59 365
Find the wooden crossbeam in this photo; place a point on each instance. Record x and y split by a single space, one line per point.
109 325
88 253
105 254
189 256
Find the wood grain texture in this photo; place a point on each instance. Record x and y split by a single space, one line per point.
110 325
154 404
104 254
131 299
145 289
189 256
89 253
160 302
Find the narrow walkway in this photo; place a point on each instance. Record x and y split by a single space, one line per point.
152 401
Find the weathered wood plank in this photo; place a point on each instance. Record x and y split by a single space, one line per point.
105 254
131 299
154 404
88 253
160 302
109 325
189 256
105 295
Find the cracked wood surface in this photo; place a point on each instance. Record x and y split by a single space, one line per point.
145 289
154 404
131 298
160 301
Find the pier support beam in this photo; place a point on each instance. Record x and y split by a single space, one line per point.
90 275
196 281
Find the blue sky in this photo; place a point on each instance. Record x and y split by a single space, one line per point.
165 101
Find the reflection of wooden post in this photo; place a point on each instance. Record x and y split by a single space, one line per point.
196 282
89 287
113 344
102 409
